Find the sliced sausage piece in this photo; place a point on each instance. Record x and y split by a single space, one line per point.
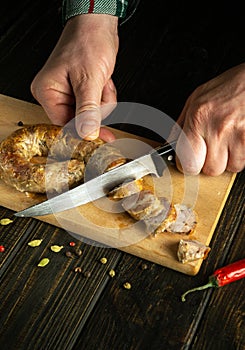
142 205
185 221
191 250
126 189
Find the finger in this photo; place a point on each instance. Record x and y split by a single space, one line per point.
109 103
174 133
88 114
109 93
62 110
235 165
236 157
109 99
106 135
216 158
191 153
58 105
88 123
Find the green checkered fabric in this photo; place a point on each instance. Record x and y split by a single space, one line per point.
72 8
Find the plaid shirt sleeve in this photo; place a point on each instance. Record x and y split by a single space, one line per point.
72 8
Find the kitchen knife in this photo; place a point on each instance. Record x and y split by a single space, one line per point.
153 163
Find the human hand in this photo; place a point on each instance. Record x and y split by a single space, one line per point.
77 76
213 120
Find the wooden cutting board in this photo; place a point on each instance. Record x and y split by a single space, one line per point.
100 222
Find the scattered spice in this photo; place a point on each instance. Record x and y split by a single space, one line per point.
2 248
103 261
79 252
78 269
43 262
72 244
20 123
35 243
225 275
127 285
144 266
87 274
69 254
112 273
5 221
56 248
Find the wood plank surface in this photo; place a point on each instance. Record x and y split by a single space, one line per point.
53 300
207 195
164 54
151 315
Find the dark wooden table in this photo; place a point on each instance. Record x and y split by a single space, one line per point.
165 53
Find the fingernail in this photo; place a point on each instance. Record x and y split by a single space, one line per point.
89 131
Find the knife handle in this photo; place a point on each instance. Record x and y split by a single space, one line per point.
167 152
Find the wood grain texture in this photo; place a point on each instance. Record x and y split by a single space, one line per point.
29 33
164 54
224 317
225 306
207 196
151 315
38 300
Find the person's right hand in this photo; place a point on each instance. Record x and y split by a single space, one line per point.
213 123
77 75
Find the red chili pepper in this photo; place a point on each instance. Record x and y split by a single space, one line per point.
225 275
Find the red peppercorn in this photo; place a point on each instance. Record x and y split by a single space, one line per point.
72 244
2 248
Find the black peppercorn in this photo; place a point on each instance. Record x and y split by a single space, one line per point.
144 266
69 254
78 269
79 252
87 274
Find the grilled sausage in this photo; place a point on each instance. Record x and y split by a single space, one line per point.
21 152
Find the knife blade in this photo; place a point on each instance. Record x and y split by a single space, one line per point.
152 163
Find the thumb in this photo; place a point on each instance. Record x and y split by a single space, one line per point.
191 153
88 113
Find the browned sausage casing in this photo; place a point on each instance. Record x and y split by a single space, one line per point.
22 167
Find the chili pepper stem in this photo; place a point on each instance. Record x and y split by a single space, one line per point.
210 284
223 276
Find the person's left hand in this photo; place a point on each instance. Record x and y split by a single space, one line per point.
76 79
213 120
